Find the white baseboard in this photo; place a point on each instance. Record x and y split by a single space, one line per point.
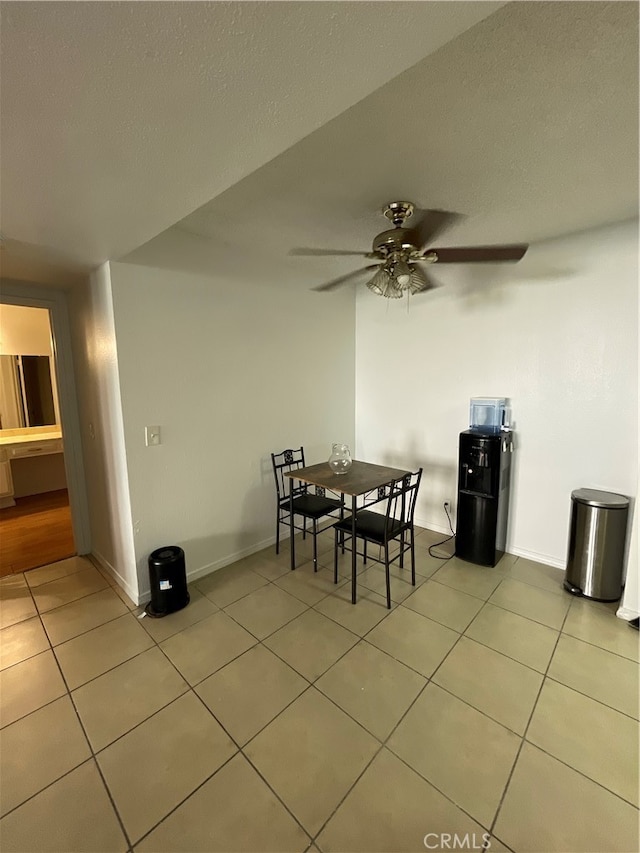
518 552
626 613
115 574
194 574
554 562
439 528
202 571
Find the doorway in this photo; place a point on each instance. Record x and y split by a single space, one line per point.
35 516
43 511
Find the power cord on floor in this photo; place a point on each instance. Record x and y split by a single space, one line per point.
444 557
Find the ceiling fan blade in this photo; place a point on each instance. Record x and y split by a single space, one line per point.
320 253
344 279
420 281
476 254
429 224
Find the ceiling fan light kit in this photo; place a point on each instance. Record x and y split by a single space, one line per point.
384 284
401 252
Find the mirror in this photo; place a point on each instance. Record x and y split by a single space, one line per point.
26 391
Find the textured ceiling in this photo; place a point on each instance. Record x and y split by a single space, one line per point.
527 124
118 119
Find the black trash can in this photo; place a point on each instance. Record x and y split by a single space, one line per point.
595 559
168 579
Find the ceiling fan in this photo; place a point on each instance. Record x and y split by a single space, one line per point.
402 250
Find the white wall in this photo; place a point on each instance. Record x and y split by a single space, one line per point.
630 604
231 371
100 413
24 331
557 334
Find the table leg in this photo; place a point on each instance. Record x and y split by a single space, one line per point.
292 541
354 501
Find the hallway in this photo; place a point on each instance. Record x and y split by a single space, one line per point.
36 531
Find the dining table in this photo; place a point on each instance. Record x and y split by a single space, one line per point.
362 479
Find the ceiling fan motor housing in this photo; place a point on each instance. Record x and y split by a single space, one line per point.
394 240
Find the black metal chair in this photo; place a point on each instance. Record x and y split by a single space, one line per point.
305 504
381 529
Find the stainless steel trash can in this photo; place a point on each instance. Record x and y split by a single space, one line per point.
595 559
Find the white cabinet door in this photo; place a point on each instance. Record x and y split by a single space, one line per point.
6 481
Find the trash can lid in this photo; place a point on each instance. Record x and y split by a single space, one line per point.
594 497
167 552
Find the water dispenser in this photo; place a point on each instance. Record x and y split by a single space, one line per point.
484 473
488 414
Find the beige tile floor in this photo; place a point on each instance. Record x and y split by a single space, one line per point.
487 708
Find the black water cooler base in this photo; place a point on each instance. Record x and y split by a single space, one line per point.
484 466
488 564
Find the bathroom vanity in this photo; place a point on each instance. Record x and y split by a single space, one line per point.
19 448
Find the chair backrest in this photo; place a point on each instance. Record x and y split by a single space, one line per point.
283 463
401 502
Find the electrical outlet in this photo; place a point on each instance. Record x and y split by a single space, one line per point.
447 504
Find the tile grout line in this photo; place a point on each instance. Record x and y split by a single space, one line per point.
89 630
110 668
584 775
239 748
92 756
526 729
557 631
402 603
445 689
69 694
561 630
602 648
484 714
309 606
547 677
25 572
189 689
189 795
430 681
592 698
383 744
521 737
310 684
73 600
157 643
137 654
39 615
259 642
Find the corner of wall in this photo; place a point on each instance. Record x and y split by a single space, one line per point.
100 408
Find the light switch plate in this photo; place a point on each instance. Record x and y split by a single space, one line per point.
152 435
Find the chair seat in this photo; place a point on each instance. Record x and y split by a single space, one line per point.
311 506
371 525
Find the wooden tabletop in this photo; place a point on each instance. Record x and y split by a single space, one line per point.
360 478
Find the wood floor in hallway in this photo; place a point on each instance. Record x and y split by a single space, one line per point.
36 531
